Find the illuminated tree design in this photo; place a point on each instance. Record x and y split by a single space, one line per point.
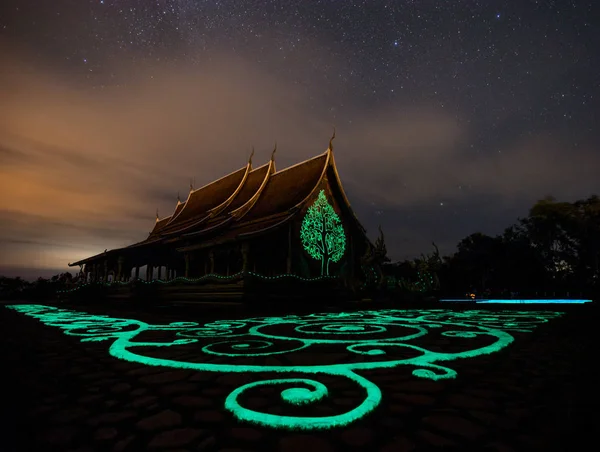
322 233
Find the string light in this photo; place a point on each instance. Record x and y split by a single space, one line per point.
201 278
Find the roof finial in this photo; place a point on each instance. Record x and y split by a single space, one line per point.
251 155
157 214
191 184
331 140
274 150
178 198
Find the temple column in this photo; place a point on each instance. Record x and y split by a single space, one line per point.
245 255
149 272
187 265
167 273
159 272
105 271
120 268
137 272
211 258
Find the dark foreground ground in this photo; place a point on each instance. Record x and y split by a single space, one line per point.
63 394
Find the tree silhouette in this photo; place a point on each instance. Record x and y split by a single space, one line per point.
322 233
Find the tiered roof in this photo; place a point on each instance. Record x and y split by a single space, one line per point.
245 202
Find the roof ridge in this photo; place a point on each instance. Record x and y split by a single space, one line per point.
220 207
302 162
205 186
247 206
217 180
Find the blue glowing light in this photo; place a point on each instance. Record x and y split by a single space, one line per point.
511 301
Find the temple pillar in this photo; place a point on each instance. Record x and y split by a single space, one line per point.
137 272
120 268
149 272
211 258
187 265
245 256
105 278
167 273
159 272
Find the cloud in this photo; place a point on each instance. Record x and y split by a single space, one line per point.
88 167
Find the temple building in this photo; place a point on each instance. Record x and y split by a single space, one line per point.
252 229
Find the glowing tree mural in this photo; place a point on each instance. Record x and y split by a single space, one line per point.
322 233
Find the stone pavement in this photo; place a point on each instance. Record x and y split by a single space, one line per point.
66 395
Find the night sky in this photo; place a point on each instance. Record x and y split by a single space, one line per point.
452 117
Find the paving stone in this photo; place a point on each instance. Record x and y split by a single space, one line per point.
165 377
233 379
107 433
69 415
215 391
345 402
486 393
357 437
178 388
40 410
400 409
59 436
139 391
202 376
192 401
207 443
304 443
175 438
499 447
435 440
144 401
392 422
229 449
421 386
120 387
111 418
90 398
144 370
246 434
257 402
415 399
160 421
468 402
209 416
398 444
455 425
485 417
123 444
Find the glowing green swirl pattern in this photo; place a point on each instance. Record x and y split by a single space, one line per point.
367 336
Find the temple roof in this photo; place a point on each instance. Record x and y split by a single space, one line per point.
250 187
243 203
159 225
287 188
180 206
243 229
202 200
